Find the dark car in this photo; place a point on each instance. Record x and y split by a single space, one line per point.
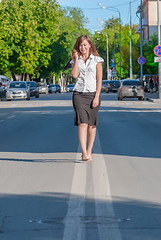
104 85
34 90
58 88
131 89
52 88
112 86
2 93
70 87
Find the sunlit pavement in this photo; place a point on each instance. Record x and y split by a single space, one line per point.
47 193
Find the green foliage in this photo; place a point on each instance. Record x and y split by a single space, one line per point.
28 28
112 30
37 36
150 67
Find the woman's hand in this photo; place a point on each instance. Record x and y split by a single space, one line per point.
76 55
95 102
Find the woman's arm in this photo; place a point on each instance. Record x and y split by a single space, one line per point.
75 69
99 84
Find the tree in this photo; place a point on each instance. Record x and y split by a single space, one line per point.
71 26
150 67
114 32
28 28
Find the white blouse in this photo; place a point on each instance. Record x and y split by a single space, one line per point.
86 81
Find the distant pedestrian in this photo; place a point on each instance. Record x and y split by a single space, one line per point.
87 70
151 83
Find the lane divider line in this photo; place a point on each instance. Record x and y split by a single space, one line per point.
10 116
103 198
74 228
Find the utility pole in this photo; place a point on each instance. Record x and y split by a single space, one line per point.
141 41
159 70
130 44
107 57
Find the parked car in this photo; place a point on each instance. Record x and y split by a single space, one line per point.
2 93
34 90
58 88
104 85
70 87
43 87
18 90
52 88
131 89
112 86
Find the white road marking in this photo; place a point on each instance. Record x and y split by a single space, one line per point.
10 116
74 229
103 198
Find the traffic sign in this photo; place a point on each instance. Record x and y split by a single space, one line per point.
141 60
157 50
114 73
157 59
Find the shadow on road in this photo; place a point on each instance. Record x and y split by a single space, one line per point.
51 130
43 216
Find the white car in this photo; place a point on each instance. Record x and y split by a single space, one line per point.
18 90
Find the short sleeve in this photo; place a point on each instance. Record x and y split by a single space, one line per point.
72 61
99 59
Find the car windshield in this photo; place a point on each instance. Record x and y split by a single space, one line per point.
52 85
115 81
31 84
131 83
18 85
70 85
104 82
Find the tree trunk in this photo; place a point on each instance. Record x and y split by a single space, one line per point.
13 75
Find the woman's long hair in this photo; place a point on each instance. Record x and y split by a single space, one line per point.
79 41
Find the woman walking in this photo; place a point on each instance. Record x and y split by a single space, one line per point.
87 70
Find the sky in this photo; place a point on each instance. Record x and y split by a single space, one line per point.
93 11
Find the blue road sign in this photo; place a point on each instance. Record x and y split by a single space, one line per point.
157 50
141 60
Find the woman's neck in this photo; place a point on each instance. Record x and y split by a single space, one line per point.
85 56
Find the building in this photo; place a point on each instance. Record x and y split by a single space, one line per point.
149 18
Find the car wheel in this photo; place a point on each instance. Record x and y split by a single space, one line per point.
120 99
8 99
37 96
28 98
140 98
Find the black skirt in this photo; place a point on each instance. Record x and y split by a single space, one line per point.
84 112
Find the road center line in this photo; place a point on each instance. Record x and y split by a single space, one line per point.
10 116
74 229
103 198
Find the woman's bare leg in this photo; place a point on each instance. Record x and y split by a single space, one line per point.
82 134
91 133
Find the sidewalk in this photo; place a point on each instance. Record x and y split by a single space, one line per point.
153 97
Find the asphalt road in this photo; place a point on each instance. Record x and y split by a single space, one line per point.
46 193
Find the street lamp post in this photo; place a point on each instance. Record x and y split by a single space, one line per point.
159 68
109 23
118 11
130 44
107 52
107 56
141 41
